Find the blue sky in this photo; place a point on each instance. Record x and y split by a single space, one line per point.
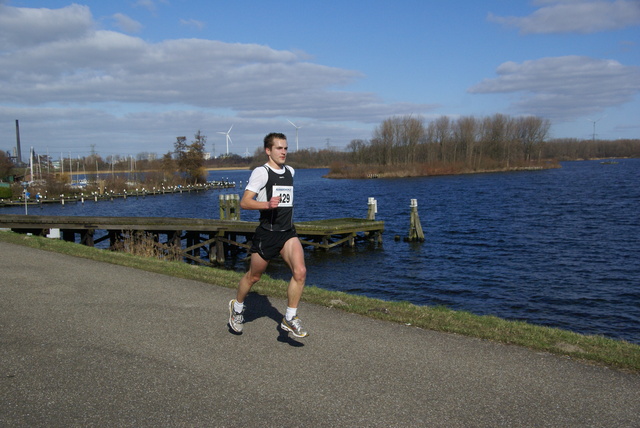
129 76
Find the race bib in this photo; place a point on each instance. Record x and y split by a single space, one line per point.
286 195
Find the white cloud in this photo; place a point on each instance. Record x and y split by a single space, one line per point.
253 80
564 87
98 85
22 27
193 23
575 17
150 5
127 24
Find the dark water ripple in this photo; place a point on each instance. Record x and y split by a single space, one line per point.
558 248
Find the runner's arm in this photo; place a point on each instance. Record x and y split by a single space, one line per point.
248 202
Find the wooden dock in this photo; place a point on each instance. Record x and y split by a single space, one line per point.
203 241
79 196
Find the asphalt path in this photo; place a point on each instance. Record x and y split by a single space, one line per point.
86 343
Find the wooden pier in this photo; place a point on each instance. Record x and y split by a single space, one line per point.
109 195
203 241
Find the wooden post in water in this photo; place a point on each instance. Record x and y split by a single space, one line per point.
371 214
234 209
373 209
229 207
415 228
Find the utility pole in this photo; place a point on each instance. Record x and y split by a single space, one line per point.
594 127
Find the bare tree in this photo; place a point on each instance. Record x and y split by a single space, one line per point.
6 166
466 133
494 137
357 148
532 132
413 135
395 141
442 136
382 142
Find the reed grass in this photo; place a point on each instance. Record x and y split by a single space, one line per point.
144 244
618 354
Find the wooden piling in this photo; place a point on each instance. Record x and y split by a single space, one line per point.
373 209
415 228
229 207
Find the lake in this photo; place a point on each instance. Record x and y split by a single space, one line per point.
558 247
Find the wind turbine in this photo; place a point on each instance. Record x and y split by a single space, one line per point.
228 138
297 127
594 125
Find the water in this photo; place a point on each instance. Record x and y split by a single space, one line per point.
558 248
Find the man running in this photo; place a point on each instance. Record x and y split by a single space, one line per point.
270 190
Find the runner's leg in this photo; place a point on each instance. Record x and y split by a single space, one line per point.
293 254
256 268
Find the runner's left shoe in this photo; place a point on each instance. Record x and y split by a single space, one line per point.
236 319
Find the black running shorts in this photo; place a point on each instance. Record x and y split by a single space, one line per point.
268 244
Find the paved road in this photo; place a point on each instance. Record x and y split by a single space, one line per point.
84 343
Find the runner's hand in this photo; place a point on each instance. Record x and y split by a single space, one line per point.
274 202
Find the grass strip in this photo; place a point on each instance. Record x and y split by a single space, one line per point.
619 354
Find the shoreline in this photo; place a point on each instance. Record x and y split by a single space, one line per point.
413 171
232 168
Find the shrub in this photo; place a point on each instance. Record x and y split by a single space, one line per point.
5 192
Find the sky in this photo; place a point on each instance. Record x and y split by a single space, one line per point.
125 77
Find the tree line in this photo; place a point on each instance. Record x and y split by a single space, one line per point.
406 146
566 149
446 145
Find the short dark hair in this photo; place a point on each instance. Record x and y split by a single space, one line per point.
269 139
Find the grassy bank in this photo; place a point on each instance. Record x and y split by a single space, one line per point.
614 353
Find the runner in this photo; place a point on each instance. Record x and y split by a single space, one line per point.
270 190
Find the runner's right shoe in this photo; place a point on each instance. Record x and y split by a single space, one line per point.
236 319
294 326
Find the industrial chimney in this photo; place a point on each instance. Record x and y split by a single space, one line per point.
18 151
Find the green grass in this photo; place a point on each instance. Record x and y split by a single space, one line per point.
619 354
